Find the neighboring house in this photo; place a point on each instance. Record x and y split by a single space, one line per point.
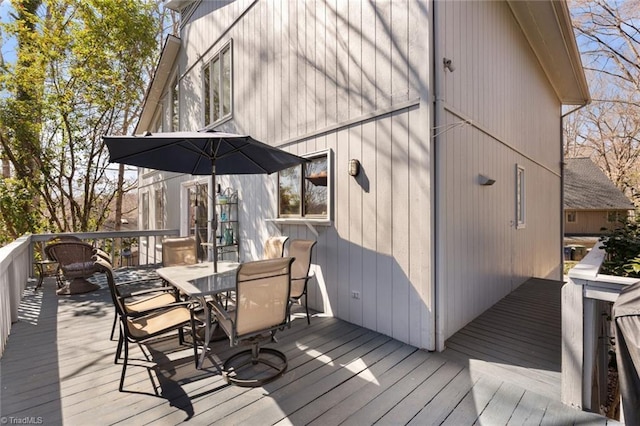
592 203
453 110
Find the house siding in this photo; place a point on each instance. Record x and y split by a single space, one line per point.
425 246
497 110
592 222
343 76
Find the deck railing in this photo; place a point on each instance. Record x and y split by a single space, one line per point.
17 262
585 297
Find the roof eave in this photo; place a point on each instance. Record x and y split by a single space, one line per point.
158 83
177 5
547 26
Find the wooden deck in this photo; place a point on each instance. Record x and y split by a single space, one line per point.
501 369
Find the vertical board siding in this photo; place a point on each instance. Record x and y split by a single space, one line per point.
400 223
499 86
302 66
384 264
368 180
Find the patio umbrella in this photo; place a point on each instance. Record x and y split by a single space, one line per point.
200 153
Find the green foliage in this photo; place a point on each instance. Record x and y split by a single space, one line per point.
623 250
81 72
17 216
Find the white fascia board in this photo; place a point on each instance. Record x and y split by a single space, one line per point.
547 26
158 83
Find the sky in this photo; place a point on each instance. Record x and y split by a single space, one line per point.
8 45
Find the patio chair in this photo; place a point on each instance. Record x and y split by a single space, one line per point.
160 321
178 251
57 239
274 247
301 251
75 265
138 302
262 291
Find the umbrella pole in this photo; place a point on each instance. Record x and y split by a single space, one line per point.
214 224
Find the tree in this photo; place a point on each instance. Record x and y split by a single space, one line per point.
608 130
90 61
21 125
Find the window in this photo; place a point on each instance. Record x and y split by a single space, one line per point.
145 210
520 197
159 210
571 216
303 191
174 105
198 218
216 77
614 216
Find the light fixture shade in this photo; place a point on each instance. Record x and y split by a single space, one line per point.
354 167
485 180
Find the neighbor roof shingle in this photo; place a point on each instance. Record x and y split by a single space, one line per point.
586 187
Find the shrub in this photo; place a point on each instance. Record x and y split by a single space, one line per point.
622 247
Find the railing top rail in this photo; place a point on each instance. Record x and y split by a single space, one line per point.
589 266
586 273
109 234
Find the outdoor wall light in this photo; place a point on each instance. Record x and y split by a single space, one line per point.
485 181
448 64
354 167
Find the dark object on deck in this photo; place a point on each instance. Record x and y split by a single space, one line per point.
626 312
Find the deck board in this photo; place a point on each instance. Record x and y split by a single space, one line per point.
500 369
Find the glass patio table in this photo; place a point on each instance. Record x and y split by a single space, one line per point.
199 281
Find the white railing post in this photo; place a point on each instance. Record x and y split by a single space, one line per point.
572 344
580 297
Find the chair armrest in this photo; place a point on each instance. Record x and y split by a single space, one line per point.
148 291
187 304
306 277
102 254
219 311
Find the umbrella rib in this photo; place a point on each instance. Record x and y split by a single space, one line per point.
238 149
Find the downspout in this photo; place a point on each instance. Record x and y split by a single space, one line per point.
438 114
562 164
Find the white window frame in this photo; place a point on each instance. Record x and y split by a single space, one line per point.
208 116
520 195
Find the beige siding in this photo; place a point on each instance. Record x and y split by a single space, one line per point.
355 78
591 222
497 110
321 75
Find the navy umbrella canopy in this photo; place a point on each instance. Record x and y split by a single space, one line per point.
200 153
197 153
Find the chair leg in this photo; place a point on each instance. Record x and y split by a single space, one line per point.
257 355
124 364
306 307
113 327
119 349
194 338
